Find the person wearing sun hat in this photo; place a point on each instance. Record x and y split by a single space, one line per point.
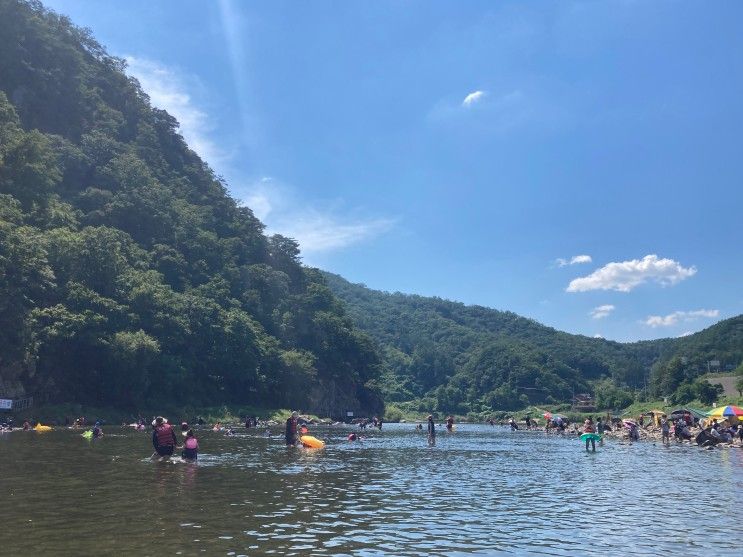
163 438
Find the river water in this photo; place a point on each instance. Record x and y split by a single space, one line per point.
481 490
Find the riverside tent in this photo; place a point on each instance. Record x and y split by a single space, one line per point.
695 414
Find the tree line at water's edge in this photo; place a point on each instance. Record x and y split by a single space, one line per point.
129 277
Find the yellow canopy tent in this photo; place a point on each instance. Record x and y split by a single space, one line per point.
656 415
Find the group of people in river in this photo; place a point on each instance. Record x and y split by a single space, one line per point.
682 427
165 440
374 422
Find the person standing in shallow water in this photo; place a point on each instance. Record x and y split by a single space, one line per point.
190 447
431 432
291 430
588 428
163 438
665 430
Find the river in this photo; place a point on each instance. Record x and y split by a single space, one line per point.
481 490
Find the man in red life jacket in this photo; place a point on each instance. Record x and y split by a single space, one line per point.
163 438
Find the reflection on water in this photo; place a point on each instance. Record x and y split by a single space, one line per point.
480 490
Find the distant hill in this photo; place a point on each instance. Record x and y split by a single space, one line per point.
462 358
128 276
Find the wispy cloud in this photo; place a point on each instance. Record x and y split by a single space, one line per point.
473 98
575 260
599 312
169 89
317 230
236 32
680 316
625 275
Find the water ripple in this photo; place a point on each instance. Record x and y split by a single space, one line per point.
480 491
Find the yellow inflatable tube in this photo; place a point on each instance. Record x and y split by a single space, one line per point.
40 427
311 442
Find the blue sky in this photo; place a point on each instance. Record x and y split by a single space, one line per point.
578 163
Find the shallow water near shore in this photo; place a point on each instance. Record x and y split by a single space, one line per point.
481 490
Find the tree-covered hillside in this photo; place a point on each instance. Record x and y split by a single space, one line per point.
128 275
461 358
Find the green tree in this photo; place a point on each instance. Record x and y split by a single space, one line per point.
706 392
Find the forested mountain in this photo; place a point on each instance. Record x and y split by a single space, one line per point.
453 357
128 275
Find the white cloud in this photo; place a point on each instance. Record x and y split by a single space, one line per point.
576 259
473 98
599 312
484 112
597 335
626 275
168 89
323 232
686 334
679 316
316 230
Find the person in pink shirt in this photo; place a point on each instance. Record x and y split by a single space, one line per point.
190 447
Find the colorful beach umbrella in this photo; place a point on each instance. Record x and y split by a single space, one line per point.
726 412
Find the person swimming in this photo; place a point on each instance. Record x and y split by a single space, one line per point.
352 437
190 447
450 423
97 430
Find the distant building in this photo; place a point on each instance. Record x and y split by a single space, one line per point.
583 403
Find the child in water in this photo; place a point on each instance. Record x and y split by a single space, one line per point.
190 447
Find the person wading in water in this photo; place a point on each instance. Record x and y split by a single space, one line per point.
291 430
431 432
163 439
